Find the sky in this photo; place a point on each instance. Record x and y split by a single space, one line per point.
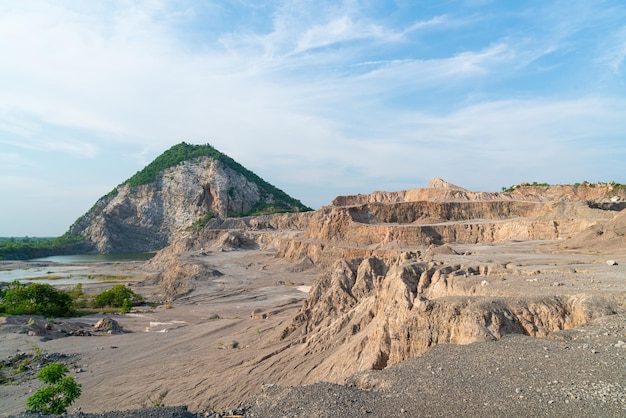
320 98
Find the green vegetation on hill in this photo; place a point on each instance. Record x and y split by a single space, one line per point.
170 158
515 186
182 152
614 185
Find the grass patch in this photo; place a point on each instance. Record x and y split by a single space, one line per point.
48 277
108 277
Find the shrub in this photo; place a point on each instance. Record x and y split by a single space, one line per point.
202 221
127 306
76 292
119 296
58 395
35 299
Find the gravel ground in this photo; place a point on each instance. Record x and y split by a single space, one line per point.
517 376
575 373
159 412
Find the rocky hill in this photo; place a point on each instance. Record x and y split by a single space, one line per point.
184 187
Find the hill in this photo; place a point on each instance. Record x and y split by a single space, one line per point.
182 188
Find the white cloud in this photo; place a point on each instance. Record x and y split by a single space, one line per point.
337 31
553 139
317 96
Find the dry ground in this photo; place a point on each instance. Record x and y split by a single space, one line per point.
203 351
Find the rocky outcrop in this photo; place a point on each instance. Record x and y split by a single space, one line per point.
608 236
593 193
380 228
438 190
374 197
369 314
147 217
108 325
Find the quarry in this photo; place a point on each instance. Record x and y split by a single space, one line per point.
435 301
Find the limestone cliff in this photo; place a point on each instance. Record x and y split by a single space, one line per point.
606 195
185 186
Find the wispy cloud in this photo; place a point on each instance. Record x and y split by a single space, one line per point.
322 97
614 54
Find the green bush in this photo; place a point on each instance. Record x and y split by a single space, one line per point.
76 292
119 296
35 299
58 395
202 221
127 306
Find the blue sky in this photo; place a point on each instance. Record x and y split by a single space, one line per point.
320 98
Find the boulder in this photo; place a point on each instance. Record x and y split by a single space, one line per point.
109 325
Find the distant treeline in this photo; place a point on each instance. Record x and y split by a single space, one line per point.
24 248
614 185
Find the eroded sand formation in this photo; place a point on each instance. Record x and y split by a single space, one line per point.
391 276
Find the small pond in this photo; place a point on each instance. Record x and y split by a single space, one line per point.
96 258
67 269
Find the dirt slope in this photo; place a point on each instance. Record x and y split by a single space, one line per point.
609 236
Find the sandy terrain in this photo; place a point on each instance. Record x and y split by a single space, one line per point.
214 347
173 356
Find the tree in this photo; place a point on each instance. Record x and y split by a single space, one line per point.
119 296
35 299
58 395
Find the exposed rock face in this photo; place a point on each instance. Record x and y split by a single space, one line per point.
593 193
361 199
439 190
379 228
608 236
367 314
148 217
